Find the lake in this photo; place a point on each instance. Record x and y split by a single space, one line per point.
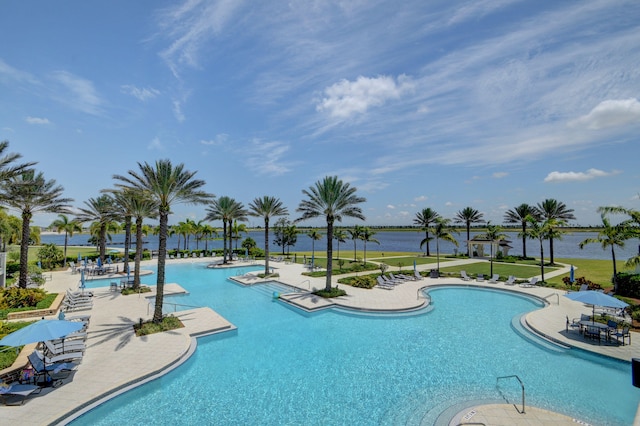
390 241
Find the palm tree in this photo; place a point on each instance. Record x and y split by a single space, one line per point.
226 209
554 209
366 237
424 218
7 169
541 230
611 236
165 185
267 207
493 234
441 230
355 235
236 230
340 236
207 231
632 223
101 210
140 206
29 192
332 199
468 216
519 215
291 236
123 204
315 236
69 227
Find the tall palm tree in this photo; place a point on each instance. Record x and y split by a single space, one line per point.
611 236
493 234
166 185
101 210
29 192
332 199
236 230
340 236
142 206
519 215
315 236
355 233
8 169
541 230
367 237
266 208
441 230
424 218
469 215
123 204
291 236
554 209
222 209
207 232
62 223
633 223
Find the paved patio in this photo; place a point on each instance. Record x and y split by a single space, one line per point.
115 359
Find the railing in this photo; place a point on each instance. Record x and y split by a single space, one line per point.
175 306
308 284
521 385
553 294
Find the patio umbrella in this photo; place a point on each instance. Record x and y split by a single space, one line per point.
572 277
82 283
596 298
99 263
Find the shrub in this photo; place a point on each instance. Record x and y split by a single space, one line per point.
150 327
628 284
335 292
50 255
16 297
364 281
141 289
580 281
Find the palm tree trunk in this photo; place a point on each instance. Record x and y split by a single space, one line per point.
162 252
468 238
266 246
329 254
103 241
438 254
230 242
24 250
524 240
615 273
365 253
541 261
66 238
551 251
426 238
127 240
224 241
138 257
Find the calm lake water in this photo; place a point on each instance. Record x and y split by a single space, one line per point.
392 241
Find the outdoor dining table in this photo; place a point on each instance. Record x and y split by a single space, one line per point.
600 326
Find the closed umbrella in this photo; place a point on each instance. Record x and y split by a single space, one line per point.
596 298
572 277
82 282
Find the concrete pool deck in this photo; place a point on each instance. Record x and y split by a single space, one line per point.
116 359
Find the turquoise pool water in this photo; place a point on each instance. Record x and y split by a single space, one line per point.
285 367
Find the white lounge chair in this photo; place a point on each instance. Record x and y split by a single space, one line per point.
531 283
480 277
464 276
383 284
494 279
511 280
18 390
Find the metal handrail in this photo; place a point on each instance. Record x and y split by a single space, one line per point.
175 305
308 282
553 294
521 385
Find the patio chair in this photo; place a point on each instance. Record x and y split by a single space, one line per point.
383 284
592 332
464 276
511 280
17 390
494 279
54 371
64 347
531 283
73 267
584 287
417 275
480 277
624 333
573 325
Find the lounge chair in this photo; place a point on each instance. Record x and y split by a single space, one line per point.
17 390
53 371
383 284
511 280
398 278
464 276
531 283
417 275
480 277
73 267
391 280
69 306
584 287
64 347
494 279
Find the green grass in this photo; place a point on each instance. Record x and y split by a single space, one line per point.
503 269
8 356
149 327
596 270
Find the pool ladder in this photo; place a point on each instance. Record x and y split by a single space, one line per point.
514 376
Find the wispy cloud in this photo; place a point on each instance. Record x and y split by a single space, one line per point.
177 111
78 93
346 98
219 139
267 158
611 113
420 198
141 93
9 73
578 176
500 175
155 145
37 120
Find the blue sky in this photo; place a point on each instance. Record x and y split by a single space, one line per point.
441 104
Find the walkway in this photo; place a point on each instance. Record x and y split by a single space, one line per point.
116 359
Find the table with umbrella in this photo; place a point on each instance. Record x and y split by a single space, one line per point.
596 298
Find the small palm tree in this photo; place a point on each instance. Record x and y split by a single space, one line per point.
315 236
424 218
355 235
558 214
494 234
611 236
267 207
441 230
165 185
332 199
226 209
468 216
29 192
62 223
236 230
541 231
8 169
367 237
101 210
519 215
340 236
141 206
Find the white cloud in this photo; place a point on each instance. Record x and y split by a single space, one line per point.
578 176
7 72
142 94
499 175
80 93
37 120
448 204
177 111
391 206
220 139
420 198
346 98
610 113
265 158
155 144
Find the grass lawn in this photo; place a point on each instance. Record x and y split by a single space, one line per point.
504 269
598 271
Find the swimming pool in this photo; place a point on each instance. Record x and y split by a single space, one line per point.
286 367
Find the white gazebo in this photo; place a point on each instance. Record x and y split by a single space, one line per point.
476 247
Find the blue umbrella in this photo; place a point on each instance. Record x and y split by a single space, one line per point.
99 263
128 274
596 298
39 264
572 275
41 331
82 283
